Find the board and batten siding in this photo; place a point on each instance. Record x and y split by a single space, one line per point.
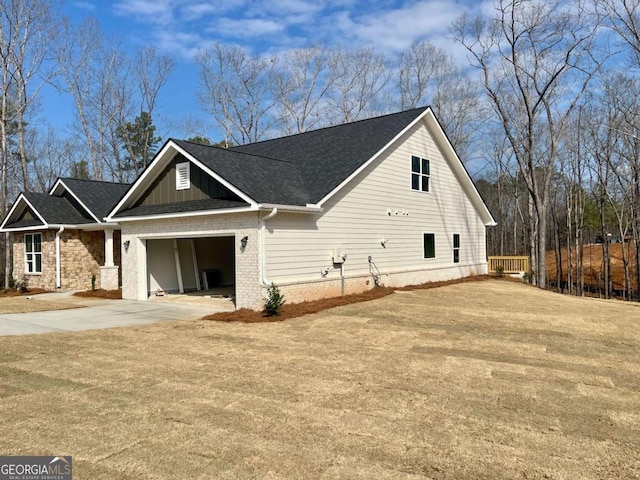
380 204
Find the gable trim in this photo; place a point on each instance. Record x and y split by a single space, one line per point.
373 158
60 182
20 198
441 139
139 187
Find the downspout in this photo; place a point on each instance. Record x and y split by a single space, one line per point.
263 246
58 273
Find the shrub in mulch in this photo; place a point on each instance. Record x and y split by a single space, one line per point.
12 292
293 310
100 293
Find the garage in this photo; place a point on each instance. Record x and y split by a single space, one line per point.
179 265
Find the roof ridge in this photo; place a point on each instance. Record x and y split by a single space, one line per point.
93 180
328 127
236 151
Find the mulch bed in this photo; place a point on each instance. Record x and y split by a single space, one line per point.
100 293
293 310
17 293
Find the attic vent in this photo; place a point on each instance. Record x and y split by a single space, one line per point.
182 176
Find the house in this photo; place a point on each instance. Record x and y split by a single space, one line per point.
61 240
327 212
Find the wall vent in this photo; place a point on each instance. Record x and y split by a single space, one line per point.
182 176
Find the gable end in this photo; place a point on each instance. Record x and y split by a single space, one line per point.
201 186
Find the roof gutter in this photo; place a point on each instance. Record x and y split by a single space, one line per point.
263 245
308 208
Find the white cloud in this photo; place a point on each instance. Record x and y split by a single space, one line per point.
396 29
149 11
245 27
195 11
84 5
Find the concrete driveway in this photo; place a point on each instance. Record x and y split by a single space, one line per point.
99 314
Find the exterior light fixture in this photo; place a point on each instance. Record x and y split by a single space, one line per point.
243 242
126 245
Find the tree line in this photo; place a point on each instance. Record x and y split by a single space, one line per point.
546 101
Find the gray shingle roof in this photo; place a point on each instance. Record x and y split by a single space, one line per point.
99 197
265 180
303 168
191 206
56 210
324 158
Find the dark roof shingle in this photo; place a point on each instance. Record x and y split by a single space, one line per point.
55 210
99 197
324 158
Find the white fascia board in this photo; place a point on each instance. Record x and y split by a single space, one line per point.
62 184
372 159
160 157
214 175
196 213
56 185
309 208
459 169
21 197
25 229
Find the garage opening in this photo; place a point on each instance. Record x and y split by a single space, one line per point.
204 266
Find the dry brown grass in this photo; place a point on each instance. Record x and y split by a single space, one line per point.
31 302
486 380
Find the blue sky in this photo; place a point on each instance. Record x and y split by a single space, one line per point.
181 27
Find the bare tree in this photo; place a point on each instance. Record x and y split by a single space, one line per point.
419 69
237 89
536 59
623 17
303 82
360 76
26 31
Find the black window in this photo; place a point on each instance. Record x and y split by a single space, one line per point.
456 247
420 173
429 245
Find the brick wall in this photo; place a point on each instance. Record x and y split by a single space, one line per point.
248 286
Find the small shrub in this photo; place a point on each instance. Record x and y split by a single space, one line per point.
527 277
500 271
93 282
22 285
273 300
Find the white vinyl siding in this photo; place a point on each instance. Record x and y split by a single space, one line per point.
377 205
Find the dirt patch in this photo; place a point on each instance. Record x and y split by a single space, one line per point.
100 293
593 266
294 310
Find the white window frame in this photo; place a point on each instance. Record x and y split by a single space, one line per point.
30 262
422 176
183 176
